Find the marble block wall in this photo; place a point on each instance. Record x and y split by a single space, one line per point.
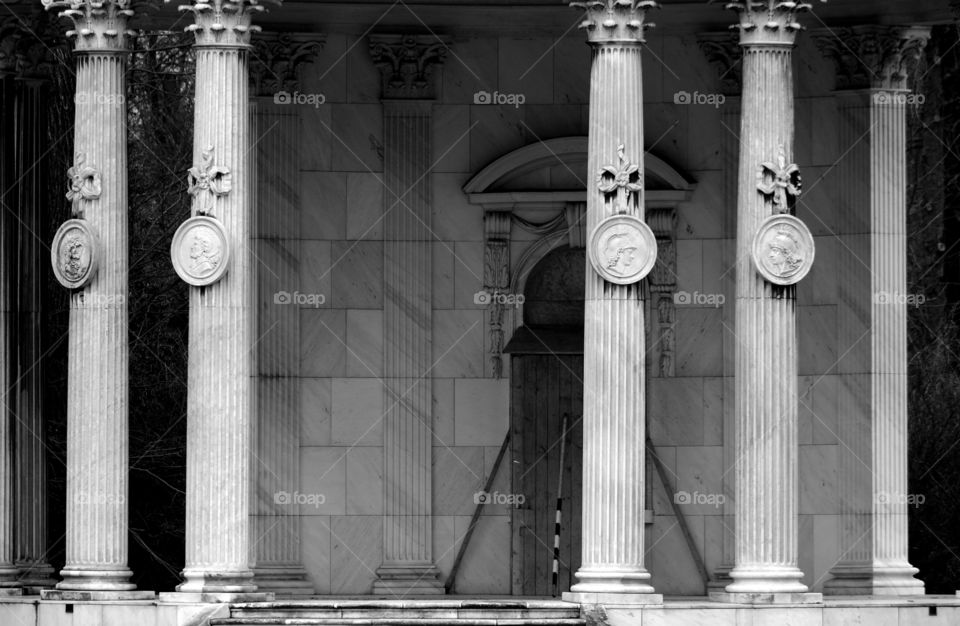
341 456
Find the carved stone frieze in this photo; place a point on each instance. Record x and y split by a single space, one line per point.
496 280
407 64
663 285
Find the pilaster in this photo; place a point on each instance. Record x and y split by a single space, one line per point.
8 175
407 64
275 130
873 64
724 53
773 251
621 252
35 60
90 257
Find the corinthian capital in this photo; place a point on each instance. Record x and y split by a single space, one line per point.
277 58
879 57
223 23
615 21
98 25
406 63
768 22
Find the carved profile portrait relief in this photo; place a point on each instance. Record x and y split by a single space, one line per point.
74 254
783 249
200 251
622 249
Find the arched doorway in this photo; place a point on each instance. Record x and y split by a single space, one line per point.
546 405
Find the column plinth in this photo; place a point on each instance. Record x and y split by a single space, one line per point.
612 568
92 260
765 360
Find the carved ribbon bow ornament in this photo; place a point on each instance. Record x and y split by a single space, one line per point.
207 182
84 182
783 181
626 175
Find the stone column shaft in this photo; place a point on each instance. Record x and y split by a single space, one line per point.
33 272
220 370
766 400
612 567
91 257
872 312
8 174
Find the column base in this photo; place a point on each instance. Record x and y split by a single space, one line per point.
203 581
766 580
77 595
767 598
283 580
612 580
721 578
77 578
408 580
874 580
36 576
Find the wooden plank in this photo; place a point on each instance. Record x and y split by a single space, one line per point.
576 449
566 382
553 424
529 475
542 470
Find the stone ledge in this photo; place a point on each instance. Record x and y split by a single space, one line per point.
614 599
74 595
779 599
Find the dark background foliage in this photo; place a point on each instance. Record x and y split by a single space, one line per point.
160 89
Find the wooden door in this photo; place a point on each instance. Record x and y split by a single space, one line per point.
544 389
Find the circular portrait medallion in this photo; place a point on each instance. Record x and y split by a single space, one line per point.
200 251
783 249
623 249
74 254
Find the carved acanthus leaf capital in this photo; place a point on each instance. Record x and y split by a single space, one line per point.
879 57
10 35
768 22
406 64
98 25
39 50
276 60
223 23
724 54
615 21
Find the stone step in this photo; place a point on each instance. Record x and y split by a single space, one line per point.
396 621
409 613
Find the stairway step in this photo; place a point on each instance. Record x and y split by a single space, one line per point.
335 621
446 613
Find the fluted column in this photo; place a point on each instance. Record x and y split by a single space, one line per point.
212 252
407 66
8 175
774 251
723 52
33 271
872 308
275 131
620 254
90 256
